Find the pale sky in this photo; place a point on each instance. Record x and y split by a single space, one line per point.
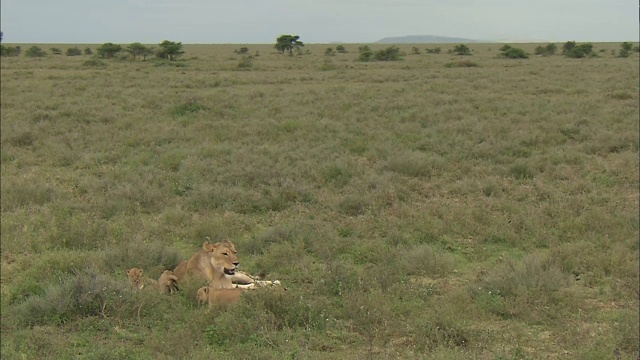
349 21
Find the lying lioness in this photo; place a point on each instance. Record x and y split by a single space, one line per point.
215 263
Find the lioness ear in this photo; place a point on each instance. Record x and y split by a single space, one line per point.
129 272
205 245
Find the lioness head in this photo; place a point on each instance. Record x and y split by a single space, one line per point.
222 256
135 277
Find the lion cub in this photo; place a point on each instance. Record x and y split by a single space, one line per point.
217 297
137 280
168 283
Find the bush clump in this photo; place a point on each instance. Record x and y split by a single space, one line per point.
548 50
10 50
74 51
513 53
391 53
572 50
461 50
35 51
625 50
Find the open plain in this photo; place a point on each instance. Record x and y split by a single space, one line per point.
412 209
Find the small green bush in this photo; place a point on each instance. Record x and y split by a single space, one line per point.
88 51
461 50
391 53
56 51
625 50
74 51
548 50
365 54
243 50
572 50
35 51
10 50
514 53
341 49
436 50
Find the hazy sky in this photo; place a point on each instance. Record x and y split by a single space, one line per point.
350 21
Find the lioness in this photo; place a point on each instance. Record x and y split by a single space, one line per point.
215 263
168 282
137 280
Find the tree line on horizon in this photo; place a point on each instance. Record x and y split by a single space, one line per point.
171 50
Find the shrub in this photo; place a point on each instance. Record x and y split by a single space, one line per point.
88 51
514 53
415 51
391 53
85 294
568 46
243 50
536 272
572 50
436 50
550 49
329 52
245 63
9 50
340 49
505 47
625 50
74 51
461 50
365 53
579 51
35 51
56 51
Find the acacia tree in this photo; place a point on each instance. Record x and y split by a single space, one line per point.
170 50
137 50
288 43
108 50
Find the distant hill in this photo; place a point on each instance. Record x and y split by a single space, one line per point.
427 39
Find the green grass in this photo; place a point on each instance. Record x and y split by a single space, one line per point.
415 209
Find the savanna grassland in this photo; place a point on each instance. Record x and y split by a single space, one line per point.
411 209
